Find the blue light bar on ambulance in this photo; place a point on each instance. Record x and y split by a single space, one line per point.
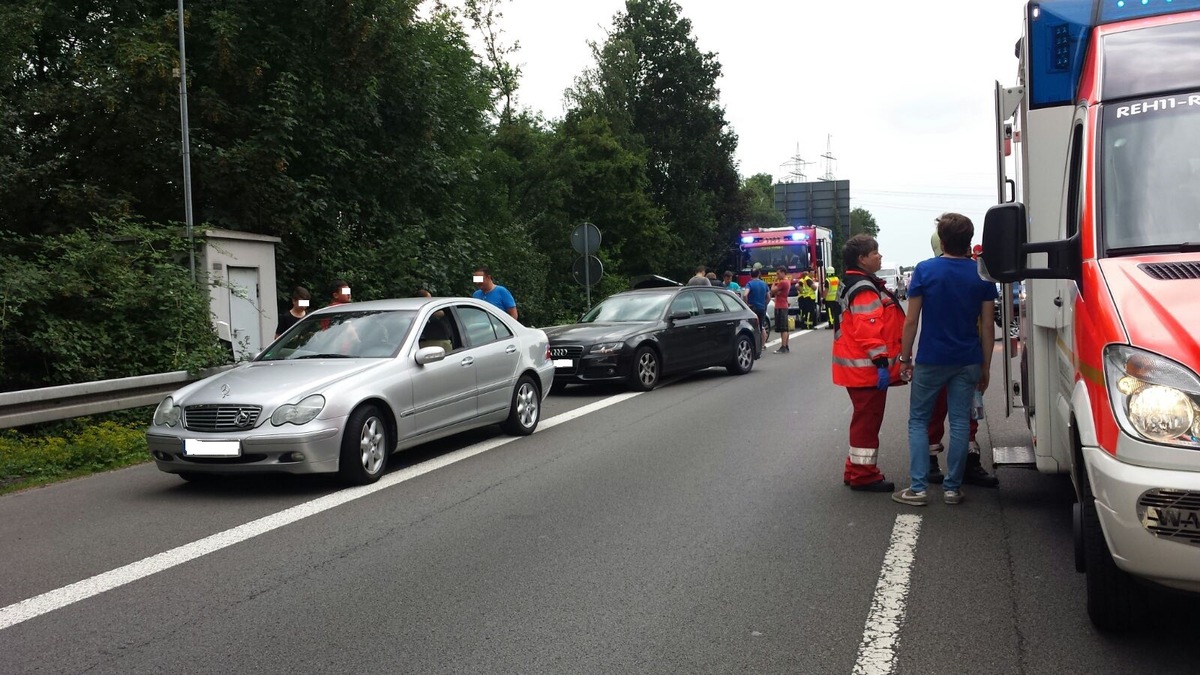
747 240
797 236
1058 32
1121 10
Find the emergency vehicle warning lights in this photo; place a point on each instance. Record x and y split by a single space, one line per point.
1059 30
795 236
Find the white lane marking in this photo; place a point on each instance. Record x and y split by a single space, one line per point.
793 334
49 601
881 636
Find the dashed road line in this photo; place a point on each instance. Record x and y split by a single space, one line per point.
881 635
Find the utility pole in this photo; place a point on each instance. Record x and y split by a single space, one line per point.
796 165
829 158
187 153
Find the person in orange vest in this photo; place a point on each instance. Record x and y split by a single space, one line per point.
865 351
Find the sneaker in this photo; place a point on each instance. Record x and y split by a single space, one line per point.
935 475
880 485
782 350
908 496
975 474
953 496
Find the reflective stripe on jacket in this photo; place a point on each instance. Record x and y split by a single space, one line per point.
871 327
831 289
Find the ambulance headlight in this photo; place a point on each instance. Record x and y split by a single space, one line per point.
1153 397
1160 413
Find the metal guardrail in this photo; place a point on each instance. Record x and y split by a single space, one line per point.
31 406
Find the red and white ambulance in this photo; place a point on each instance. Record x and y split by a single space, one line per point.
1103 221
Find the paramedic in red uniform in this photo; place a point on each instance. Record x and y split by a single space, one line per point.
865 350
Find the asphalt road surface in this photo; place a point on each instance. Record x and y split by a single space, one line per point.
699 528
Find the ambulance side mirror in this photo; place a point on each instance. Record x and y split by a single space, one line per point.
1003 242
1006 250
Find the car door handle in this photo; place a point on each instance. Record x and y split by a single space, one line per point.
1058 301
468 361
703 327
511 349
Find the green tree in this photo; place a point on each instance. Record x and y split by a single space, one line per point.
758 191
658 91
862 222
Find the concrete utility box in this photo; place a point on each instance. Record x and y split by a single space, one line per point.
241 281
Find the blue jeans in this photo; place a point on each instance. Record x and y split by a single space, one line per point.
927 381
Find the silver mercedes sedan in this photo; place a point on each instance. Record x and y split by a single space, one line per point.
348 385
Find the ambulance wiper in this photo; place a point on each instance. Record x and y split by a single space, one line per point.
1183 247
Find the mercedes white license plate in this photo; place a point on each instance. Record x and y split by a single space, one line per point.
197 448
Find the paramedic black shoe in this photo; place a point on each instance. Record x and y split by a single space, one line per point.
878 486
975 474
935 475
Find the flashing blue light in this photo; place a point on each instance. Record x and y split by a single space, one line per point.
1059 31
797 236
1122 10
747 240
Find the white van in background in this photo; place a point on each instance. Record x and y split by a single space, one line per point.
890 273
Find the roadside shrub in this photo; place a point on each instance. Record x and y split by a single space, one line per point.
112 301
28 460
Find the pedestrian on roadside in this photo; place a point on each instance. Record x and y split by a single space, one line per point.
340 293
731 284
422 292
756 296
712 278
488 291
865 349
300 301
974 474
779 291
832 284
953 307
699 278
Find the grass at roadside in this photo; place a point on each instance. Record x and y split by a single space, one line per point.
70 451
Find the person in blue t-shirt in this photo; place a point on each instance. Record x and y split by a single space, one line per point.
731 284
954 308
756 296
488 291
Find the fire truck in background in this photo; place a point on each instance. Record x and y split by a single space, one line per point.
1102 218
803 248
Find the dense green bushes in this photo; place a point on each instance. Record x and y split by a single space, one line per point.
27 460
113 300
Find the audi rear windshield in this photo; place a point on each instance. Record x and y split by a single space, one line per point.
632 307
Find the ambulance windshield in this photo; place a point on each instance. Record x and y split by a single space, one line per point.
1150 166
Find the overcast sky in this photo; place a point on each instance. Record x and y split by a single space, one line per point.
901 92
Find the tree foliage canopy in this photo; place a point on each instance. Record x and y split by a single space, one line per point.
368 135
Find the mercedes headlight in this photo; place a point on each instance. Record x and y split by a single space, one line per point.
167 413
298 413
606 348
1153 397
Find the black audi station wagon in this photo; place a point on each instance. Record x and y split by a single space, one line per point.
641 335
